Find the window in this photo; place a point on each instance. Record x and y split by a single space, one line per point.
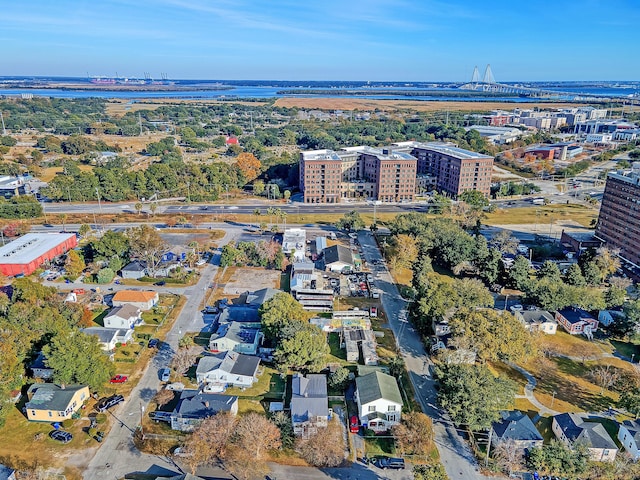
392 408
50 414
33 412
372 408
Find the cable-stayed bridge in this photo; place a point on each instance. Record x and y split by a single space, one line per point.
489 84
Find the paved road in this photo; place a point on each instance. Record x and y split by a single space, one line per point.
117 454
455 454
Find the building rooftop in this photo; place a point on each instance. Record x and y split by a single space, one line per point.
309 397
377 385
338 253
236 332
576 428
194 404
125 311
230 362
105 335
574 315
320 155
451 150
29 247
127 296
515 425
536 316
48 396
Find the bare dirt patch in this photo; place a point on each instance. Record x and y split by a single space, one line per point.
251 279
331 103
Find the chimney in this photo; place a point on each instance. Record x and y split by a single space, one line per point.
206 403
62 386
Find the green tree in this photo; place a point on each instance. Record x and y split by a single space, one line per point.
78 358
504 241
518 274
138 207
591 272
472 395
414 435
429 472
474 198
614 296
630 401
493 335
74 264
111 244
489 266
339 378
558 459
84 230
305 350
258 187
146 244
574 276
281 313
351 222
105 275
550 270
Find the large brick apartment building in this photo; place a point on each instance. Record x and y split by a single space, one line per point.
392 174
619 220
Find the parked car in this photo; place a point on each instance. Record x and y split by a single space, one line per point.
161 283
153 343
354 426
99 436
106 403
164 374
176 386
389 462
61 436
119 379
373 312
159 416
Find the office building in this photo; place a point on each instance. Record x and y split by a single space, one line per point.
619 220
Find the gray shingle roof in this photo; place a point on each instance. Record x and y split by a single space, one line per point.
592 434
135 266
516 425
193 404
105 335
377 385
230 362
125 311
536 317
337 253
634 429
258 297
48 396
309 397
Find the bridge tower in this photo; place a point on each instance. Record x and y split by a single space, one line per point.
475 78
488 76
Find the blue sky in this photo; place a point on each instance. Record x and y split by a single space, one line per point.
413 40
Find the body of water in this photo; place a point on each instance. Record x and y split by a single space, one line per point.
249 91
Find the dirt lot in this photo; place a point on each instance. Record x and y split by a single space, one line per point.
251 279
338 103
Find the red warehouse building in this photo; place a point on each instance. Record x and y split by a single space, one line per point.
29 252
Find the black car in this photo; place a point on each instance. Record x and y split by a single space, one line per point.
161 283
99 437
61 436
106 403
159 416
153 343
389 462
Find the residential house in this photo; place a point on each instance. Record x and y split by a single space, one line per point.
230 368
257 298
338 258
39 368
607 317
379 401
570 428
294 243
309 288
537 321
309 403
108 338
7 473
355 339
517 427
195 406
134 270
240 314
575 321
144 300
237 337
54 403
629 436
125 316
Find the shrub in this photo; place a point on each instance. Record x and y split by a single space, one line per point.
66 423
101 418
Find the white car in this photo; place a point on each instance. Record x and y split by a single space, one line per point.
213 388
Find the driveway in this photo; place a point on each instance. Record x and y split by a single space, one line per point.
117 455
455 454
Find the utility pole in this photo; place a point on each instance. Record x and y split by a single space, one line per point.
4 130
140 123
99 205
486 462
141 419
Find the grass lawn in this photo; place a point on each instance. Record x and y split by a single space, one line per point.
379 446
402 276
544 427
578 213
152 318
502 370
337 354
269 385
627 349
574 345
285 281
99 315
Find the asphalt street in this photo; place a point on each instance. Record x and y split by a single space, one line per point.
457 458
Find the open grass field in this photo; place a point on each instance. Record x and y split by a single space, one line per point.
340 103
542 215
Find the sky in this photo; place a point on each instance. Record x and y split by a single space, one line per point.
376 40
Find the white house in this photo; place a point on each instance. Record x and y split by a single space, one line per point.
126 316
108 338
224 369
237 337
629 436
379 401
538 321
144 300
570 428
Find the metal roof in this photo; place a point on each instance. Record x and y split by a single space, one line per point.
48 396
376 386
309 397
29 247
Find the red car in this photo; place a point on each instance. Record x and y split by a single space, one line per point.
119 379
354 427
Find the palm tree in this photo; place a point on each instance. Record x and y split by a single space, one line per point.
138 207
283 216
257 213
153 207
271 212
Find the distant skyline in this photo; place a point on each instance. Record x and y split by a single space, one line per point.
376 40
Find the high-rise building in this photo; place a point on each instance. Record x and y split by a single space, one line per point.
619 220
456 169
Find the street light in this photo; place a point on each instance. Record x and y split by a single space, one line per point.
553 397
